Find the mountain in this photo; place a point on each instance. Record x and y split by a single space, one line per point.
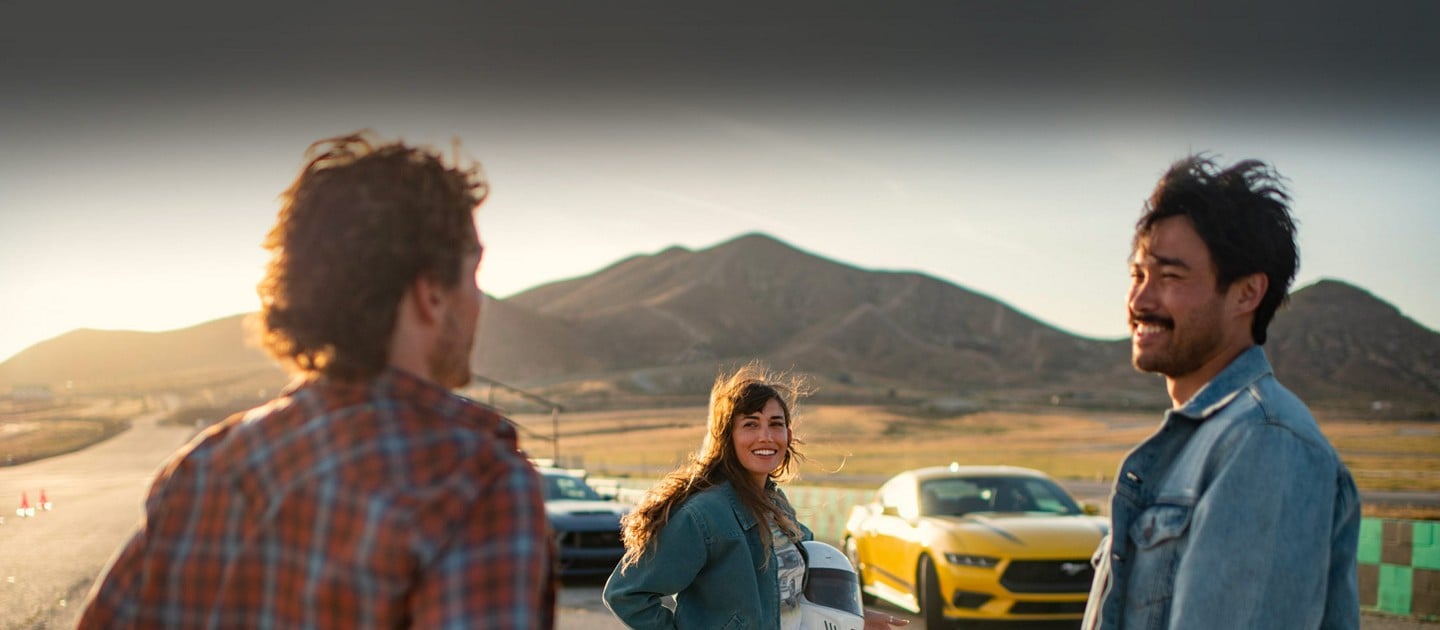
514 344
1336 343
758 297
104 358
658 325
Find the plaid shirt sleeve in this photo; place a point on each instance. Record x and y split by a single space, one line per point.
496 571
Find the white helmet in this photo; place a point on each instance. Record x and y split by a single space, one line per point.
831 600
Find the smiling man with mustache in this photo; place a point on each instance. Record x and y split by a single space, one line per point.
1237 513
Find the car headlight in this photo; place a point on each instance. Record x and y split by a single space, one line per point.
965 560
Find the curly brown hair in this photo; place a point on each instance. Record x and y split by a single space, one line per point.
361 222
744 392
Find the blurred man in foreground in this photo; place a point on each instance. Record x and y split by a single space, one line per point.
367 495
1237 513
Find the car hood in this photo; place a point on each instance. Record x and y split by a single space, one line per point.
1026 534
586 508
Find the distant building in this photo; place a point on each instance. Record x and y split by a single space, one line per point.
31 394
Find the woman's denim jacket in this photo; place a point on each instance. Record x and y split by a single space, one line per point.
1236 514
710 556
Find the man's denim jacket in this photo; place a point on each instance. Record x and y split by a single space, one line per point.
1236 514
710 556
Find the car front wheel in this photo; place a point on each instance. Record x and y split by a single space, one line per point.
932 603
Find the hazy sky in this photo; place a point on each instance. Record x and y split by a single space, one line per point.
1003 146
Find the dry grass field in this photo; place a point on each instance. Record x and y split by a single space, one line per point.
858 445
29 434
846 445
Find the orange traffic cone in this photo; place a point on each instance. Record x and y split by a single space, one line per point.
25 509
44 502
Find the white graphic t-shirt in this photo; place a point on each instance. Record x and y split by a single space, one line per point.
791 567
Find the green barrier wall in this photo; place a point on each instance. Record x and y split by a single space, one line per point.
1399 561
1400 567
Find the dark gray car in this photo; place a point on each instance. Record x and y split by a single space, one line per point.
587 526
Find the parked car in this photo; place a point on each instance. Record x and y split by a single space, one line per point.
586 525
975 542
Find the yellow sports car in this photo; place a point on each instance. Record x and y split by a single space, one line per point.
975 542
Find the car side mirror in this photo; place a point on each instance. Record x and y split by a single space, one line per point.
1090 507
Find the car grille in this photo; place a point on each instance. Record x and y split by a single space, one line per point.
1048 576
1047 608
589 540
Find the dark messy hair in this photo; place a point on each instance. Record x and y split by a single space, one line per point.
1242 213
744 392
361 222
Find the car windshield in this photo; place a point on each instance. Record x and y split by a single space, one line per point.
958 496
561 487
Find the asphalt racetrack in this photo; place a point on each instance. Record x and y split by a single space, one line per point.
48 562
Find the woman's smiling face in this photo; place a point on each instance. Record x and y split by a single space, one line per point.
761 440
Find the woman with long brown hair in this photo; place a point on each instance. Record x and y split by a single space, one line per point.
718 533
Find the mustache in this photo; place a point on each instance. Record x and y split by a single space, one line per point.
1137 319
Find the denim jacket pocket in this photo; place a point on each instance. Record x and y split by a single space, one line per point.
1158 534
1158 524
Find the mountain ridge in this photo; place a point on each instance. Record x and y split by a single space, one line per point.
662 323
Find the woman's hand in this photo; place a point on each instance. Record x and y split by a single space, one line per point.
875 620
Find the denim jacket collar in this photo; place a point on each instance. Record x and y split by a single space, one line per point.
1247 368
742 513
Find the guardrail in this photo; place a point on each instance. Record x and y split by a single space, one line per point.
1399 560
822 509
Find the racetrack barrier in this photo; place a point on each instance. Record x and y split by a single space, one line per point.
1399 560
1400 567
821 508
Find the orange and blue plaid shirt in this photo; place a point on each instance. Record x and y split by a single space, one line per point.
381 504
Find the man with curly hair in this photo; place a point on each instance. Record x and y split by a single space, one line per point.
367 495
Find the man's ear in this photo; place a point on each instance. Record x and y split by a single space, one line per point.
428 298
1247 292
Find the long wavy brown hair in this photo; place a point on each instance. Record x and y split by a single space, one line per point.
745 391
361 222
